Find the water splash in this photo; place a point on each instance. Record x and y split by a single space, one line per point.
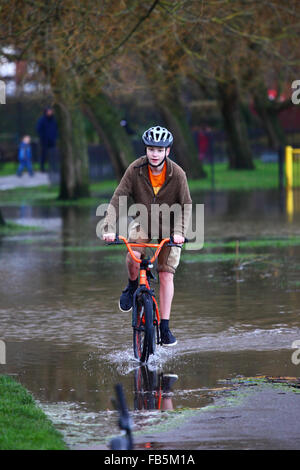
126 362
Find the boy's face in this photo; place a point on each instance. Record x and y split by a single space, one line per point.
26 139
156 154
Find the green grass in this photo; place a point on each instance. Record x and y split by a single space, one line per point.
218 257
23 425
10 168
265 176
256 243
236 251
48 196
104 187
11 228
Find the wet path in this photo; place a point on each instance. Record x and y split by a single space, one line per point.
68 344
26 181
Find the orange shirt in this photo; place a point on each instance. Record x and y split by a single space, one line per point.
157 180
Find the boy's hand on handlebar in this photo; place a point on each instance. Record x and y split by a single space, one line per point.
178 239
109 237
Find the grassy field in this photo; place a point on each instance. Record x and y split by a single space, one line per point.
48 196
10 168
11 228
23 425
265 176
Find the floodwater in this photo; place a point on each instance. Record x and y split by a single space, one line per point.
68 343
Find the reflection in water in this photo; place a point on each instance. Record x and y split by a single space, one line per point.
153 390
292 199
67 342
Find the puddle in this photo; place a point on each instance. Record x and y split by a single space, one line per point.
67 342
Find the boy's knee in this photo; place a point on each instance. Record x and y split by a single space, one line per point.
137 255
165 276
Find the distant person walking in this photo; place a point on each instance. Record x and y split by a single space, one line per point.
48 132
25 156
203 144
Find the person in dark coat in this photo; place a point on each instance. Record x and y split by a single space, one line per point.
48 132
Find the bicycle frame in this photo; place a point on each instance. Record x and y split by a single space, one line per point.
144 287
146 263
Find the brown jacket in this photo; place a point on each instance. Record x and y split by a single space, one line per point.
135 183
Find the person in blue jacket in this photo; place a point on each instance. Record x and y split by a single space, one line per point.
48 132
25 156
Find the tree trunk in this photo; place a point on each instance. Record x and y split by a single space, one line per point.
184 147
106 121
2 221
167 99
268 111
74 165
238 145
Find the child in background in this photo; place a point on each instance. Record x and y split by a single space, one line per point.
25 156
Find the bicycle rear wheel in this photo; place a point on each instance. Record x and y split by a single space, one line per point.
143 329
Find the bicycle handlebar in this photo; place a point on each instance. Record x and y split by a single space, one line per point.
158 246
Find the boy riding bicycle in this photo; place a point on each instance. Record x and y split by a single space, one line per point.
149 180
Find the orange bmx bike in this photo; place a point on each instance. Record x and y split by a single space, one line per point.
145 312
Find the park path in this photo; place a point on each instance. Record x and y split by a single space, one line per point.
26 181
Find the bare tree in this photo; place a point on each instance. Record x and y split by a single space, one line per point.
228 43
71 41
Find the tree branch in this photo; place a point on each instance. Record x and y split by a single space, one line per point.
127 37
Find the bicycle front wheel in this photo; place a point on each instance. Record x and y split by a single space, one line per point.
144 330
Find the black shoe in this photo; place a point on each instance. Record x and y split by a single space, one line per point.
126 299
167 339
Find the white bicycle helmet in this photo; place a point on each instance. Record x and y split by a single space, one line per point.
157 136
